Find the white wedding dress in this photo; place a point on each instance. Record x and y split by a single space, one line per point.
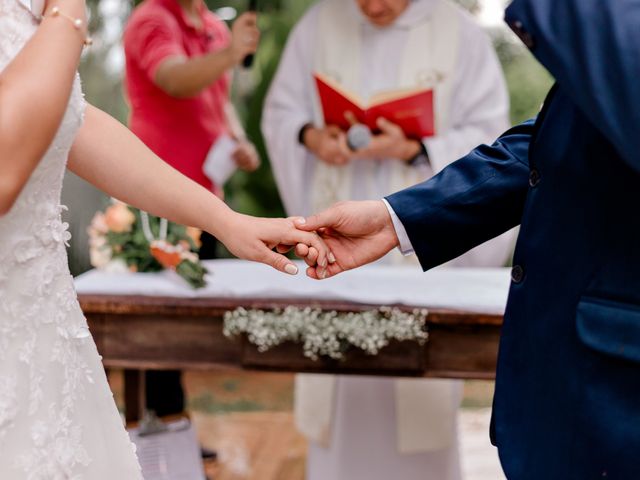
58 419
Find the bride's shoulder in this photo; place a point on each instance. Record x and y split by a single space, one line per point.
17 24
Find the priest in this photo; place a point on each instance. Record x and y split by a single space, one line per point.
371 427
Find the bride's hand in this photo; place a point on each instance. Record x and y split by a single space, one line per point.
253 238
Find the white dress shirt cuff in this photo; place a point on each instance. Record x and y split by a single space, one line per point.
405 244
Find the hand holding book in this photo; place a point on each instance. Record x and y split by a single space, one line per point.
391 142
411 109
399 119
329 144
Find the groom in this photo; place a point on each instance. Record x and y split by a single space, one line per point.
567 400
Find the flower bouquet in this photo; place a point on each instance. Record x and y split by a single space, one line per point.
126 239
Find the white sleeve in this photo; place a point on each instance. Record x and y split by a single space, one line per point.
480 102
288 107
405 244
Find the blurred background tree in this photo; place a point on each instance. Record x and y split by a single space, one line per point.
102 70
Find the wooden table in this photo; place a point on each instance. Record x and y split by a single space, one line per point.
148 332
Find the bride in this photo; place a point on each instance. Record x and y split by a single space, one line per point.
58 419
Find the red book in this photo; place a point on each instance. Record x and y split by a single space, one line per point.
411 109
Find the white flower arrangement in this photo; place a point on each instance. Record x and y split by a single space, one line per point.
325 333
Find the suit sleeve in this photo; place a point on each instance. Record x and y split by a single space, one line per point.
592 48
470 202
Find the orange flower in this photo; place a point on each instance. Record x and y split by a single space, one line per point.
167 255
119 218
195 233
98 225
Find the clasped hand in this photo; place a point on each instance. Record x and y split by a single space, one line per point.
356 233
346 236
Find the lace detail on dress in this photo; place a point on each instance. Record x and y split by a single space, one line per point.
58 420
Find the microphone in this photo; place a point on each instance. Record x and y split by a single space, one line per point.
248 60
359 135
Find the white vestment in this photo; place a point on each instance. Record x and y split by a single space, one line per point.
404 427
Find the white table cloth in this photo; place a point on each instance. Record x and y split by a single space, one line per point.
479 290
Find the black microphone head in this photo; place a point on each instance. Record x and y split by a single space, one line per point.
359 136
248 60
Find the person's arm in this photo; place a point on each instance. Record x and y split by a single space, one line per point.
390 143
245 155
109 156
181 76
473 200
592 48
31 109
233 122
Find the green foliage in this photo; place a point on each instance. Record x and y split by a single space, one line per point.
528 81
257 193
528 84
103 85
118 236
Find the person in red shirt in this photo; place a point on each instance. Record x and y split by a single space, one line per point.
178 61
178 58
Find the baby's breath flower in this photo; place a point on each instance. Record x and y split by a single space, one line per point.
327 334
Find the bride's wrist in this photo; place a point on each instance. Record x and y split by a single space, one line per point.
223 224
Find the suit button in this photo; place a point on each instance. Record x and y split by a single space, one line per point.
522 34
534 178
517 274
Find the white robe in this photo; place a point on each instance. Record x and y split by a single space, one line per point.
364 419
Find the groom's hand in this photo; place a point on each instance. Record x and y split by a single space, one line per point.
356 233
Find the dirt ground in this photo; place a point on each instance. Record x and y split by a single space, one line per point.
247 419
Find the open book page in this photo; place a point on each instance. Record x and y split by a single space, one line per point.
409 108
352 97
393 95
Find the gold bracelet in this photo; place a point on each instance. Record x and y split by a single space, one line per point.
76 22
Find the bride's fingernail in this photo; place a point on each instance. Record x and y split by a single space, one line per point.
323 263
300 221
332 258
322 273
291 269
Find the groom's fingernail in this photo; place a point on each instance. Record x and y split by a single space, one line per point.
332 258
291 269
300 221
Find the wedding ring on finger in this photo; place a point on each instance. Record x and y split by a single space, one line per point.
322 273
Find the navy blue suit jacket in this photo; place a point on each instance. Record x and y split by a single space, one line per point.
567 400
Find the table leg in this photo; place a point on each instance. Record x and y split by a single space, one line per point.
134 395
